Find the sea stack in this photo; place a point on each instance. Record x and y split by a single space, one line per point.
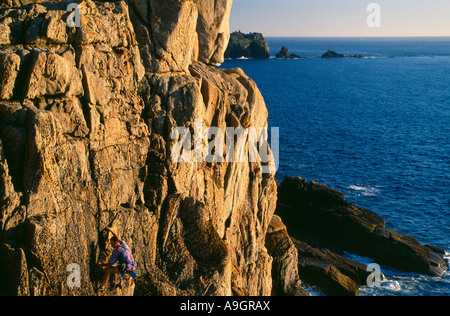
284 54
332 55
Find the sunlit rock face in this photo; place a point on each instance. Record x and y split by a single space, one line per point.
86 121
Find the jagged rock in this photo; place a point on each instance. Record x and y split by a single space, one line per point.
173 34
9 69
38 284
155 283
352 269
14 272
318 214
330 272
327 278
284 54
52 74
5 33
166 32
12 213
285 276
320 268
11 112
332 54
213 29
63 171
14 139
96 90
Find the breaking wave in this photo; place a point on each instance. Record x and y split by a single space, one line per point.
365 191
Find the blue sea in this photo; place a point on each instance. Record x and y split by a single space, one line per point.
377 128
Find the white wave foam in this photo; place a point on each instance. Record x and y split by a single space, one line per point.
376 57
366 191
447 258
391 285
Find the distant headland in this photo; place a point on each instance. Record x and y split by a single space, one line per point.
252 46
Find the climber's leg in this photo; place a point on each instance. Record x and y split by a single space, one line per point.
108 272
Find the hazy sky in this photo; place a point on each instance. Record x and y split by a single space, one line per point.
341 17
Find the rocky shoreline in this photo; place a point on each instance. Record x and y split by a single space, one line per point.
323 226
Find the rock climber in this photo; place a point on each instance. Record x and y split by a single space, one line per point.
121 255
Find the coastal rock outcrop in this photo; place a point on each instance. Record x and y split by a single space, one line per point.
323 225
286 281
284 54
87 116
332 55
334 274
252 46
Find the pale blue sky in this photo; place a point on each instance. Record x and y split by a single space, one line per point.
341 17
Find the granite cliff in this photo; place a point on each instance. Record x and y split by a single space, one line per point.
87 114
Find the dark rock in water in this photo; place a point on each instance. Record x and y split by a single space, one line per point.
332 273
252 45
312 260
284 54
320 216
356 56
332 54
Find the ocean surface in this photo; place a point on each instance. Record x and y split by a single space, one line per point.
378 129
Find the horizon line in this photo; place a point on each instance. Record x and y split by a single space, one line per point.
344 36
362 36
350 36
